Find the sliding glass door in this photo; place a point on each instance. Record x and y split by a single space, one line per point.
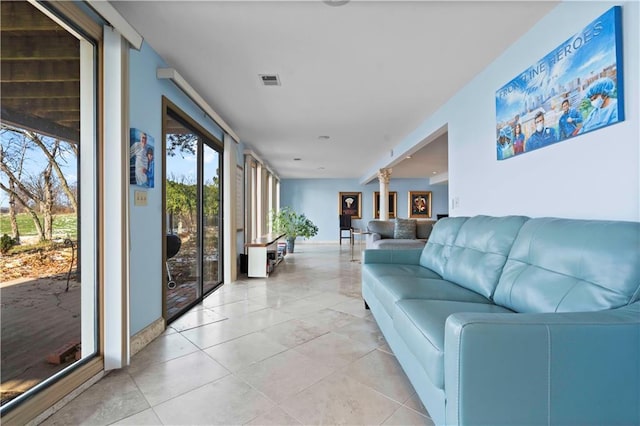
192 210
212 273
48 156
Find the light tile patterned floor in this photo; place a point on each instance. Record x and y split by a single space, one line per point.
295 348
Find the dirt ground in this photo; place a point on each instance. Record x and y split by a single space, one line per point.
36 263
37 315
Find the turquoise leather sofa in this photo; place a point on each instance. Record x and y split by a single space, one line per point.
514 321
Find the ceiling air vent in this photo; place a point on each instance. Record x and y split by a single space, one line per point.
270 79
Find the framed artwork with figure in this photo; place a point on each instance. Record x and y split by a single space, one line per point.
350 203
393 197
141 155
419 204
575 89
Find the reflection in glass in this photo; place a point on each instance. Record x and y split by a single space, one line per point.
192 196
211 210
182 213
47 316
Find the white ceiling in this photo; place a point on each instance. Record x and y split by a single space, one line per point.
366 73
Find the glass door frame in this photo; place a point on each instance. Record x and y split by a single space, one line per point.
31 405
203 219
204 138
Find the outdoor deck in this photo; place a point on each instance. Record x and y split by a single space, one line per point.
37 317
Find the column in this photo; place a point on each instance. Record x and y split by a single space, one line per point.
383 177
116 242
229 198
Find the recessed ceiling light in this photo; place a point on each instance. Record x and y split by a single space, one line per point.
325 137
434 173
297 159
408 156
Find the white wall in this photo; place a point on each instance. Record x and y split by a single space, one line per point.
591 176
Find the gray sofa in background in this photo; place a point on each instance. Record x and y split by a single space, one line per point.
397 233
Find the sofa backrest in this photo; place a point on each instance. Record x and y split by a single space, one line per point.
438 248
480 251
565 265
386 228
383 227
424 228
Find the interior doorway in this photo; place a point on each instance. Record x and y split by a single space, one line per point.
193 201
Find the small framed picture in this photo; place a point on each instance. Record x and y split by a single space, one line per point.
350 203
420 204
393 202
141 155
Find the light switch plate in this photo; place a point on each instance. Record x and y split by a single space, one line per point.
140 198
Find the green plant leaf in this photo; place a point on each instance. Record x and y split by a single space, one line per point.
292 224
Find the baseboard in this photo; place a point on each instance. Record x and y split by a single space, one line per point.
147 335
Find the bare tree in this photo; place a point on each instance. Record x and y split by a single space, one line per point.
15 231
46 207
51 151
13 154
11 164
13 211
62 203
17 192
44 188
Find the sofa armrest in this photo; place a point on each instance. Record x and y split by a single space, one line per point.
556 368
405 257
371 238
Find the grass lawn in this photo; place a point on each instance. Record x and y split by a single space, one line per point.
64 225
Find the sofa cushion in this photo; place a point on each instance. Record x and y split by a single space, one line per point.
424 228
372 273
438 247
393 244
376 270
569 265
480 251
391 289
404 229
383 227
421 325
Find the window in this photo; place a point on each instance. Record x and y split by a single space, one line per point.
262 195
193 200
48 146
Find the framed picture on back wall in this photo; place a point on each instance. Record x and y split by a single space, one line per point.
393 197
420 204
350 203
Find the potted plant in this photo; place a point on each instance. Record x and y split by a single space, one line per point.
287 221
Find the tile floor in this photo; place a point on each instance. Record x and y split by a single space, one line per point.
295 348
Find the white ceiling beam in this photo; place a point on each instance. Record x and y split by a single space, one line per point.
113 17
439 178
252 153
173 75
